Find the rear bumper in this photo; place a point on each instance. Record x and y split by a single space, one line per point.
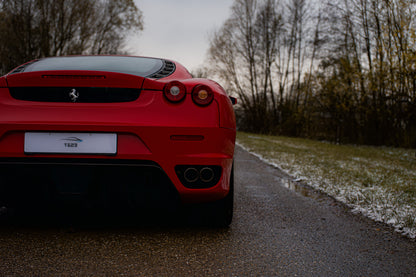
162 147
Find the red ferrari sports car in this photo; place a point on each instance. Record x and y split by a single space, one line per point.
135 131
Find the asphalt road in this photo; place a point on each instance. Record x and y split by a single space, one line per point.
276 232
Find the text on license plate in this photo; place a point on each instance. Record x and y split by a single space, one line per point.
77 143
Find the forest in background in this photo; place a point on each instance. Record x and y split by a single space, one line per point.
32 29
336 70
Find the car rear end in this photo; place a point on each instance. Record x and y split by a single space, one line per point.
103 137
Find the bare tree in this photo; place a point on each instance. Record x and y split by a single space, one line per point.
343 70
41 28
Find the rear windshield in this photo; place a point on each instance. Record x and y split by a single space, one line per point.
129 65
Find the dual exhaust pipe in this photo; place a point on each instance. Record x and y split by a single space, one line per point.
199 176
192 174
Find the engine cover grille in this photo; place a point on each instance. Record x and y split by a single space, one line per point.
167 69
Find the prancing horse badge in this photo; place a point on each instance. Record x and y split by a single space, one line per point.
74 94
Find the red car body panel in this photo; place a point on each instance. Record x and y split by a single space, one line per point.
150 128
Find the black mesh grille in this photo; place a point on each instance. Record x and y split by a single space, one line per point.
167 69
78 95
118 184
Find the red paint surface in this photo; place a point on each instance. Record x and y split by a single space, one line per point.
144 127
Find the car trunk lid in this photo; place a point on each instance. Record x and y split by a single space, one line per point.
74 86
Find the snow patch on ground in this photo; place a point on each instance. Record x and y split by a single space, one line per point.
374 202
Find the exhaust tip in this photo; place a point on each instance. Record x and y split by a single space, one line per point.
191 175
199 176
206 174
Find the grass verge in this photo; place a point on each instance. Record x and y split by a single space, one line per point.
379 182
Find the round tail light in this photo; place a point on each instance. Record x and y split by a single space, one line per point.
202 95
174 91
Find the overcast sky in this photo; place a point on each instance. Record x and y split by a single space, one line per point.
178 29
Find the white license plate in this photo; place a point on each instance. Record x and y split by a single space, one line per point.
74 143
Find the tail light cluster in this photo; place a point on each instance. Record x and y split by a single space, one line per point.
198 176
175 92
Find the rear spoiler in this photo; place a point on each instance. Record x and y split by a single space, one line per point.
70 78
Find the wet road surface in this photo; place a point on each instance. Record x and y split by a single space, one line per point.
276 232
